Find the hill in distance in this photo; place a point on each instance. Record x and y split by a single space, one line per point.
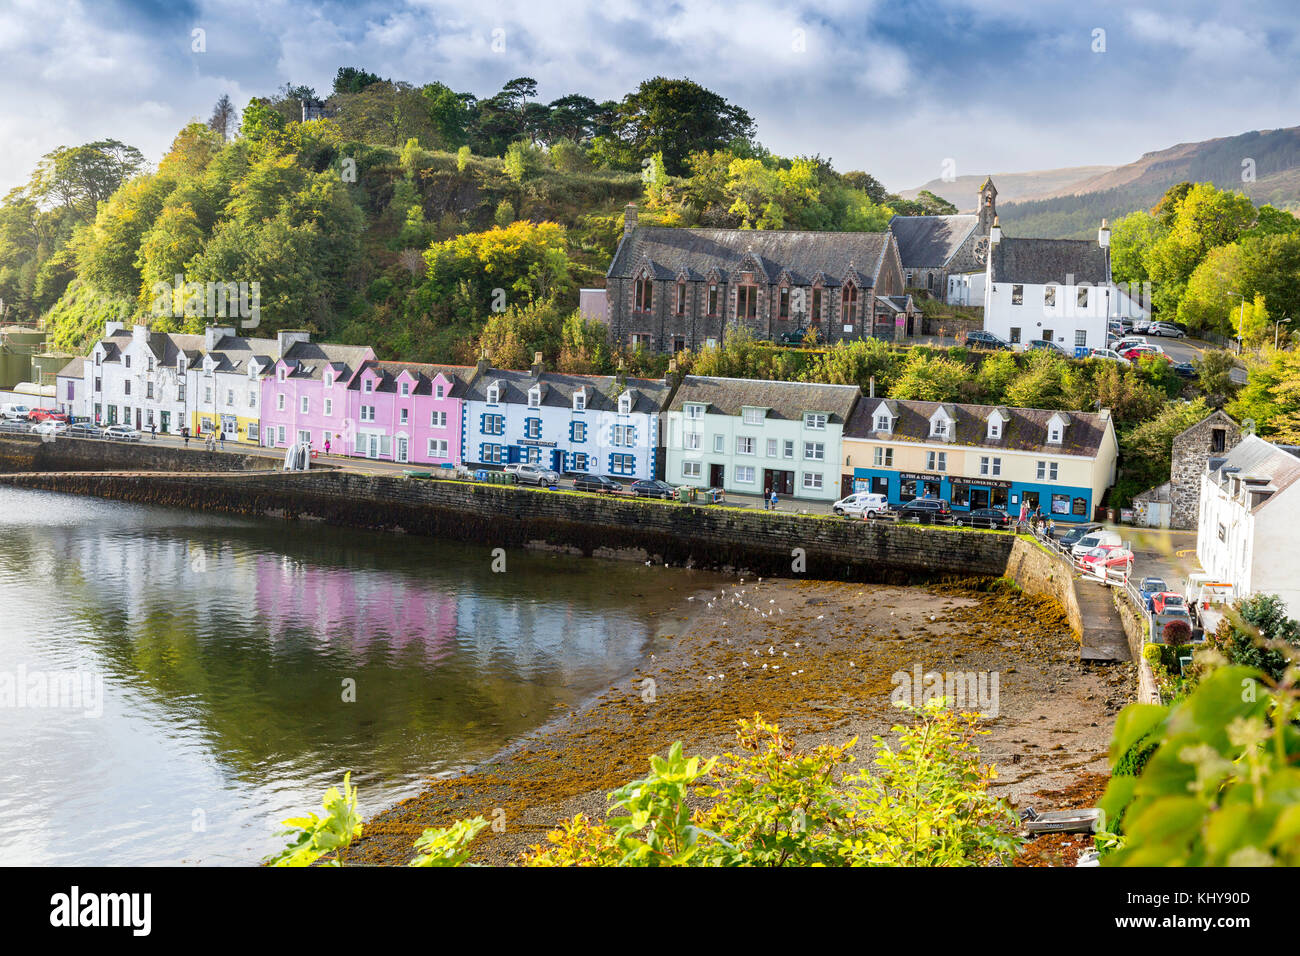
963 191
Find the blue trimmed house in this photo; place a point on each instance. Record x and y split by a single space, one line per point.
575 424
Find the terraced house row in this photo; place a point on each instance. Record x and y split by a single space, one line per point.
800 440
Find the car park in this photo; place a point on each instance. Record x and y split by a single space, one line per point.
1166 329
979 339
1149 588
983 518
653 488
596 483
1042 345
1126 342
926 511
527 474
861 504
84 430
121 433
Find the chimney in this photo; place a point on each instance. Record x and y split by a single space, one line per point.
537 364
140 333
111 327
671 375
287 339
871 387
482 366
995 233
1103 235
629 218
214 334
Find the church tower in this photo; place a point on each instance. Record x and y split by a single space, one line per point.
988 208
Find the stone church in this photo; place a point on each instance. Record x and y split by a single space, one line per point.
933 248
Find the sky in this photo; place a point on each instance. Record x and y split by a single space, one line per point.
905 90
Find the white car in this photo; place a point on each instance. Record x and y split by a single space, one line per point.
861 504
11 412
1128 341
121 433
49 428
1110 354
1141 325
1096 540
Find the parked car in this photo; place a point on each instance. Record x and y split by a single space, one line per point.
1042 345
1185 369
121 433
84 430
1126 342
1095 539
1149 588
595 483
653 488
1166 329
792 337
1163 602
46 415
979 339
1106 556
1133 353
1070 537
926 511
527 474
1141 325
49 427
12 411
1109 354
983 518
861 504
15 425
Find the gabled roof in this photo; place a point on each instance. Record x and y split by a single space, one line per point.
930 241
1025 430
784 400
1256 458
424 374
1044 261
602 391
74 369
232 353
308 359
669 251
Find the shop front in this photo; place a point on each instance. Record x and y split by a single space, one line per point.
1054 501
974 493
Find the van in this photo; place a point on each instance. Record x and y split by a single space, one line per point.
1097 539
861 504
13 411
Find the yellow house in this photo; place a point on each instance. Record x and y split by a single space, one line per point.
226 385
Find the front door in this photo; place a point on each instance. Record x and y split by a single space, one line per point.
979 498
165 423
846 486
372 446
716 474
782 482
138 424
401 449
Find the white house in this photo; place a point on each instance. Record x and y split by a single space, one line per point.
70 389
225 384
1250 508
574 424
137 377
1057 290
756 437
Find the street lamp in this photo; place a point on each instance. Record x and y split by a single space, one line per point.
1278 328
1241 319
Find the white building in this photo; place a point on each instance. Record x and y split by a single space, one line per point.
70 389
1250 509
225 385
138 377
1057 290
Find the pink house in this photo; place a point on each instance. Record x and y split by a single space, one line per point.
406 412
305 398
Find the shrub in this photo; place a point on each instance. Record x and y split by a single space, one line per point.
1176 632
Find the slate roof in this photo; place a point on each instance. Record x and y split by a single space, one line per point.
1256 458
424 374
785 401
165 346
74 369
930 241
1043 261
308 359
694 253
603 391
114 344
232 353
1026 429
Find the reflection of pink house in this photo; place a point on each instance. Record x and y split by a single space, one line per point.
305 398
407 412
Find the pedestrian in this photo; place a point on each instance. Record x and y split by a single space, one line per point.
327 444
773 499
185 433
222 438
153 430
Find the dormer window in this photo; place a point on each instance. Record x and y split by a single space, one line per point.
369 386
1054 434
624 404
534 397
406 389
939 428
695 411
579 401
440 391
180 363
995 428
1056 428
752 416
884 423
329 377
493 394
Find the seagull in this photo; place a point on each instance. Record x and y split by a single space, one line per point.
820 616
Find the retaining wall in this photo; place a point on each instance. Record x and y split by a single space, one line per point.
1044 574
26 453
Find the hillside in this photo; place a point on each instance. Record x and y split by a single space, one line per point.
1075 210
1012 187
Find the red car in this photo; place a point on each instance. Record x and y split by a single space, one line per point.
1167 601
1106 556
1138 351
46 415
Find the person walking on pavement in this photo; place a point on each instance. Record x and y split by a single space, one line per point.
773 500
327 445
153 430
221 437
185 433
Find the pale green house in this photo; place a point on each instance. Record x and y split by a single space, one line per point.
754 437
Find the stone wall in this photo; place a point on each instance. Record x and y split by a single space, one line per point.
509 516
1135 626
1046 575
1191 450
24 453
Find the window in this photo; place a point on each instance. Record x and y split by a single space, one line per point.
279 402
148 390
812 481
787 450
279 377
369 386
644 294
990 466
745 474
713 300
695 411
577 431
1015 335
230 396
690 469
783 310
1054 435
126 387
1049 297
681 298
534 397
180 393
752 416
579 461
493 395
622 464
995 428
936 461
1048 335
280 438
99 384
719 443
404 416
304 437
437 448
744 445
440 391
126 360
367 413
884 458
1218 436
406 389
252 398
207 393
939 427
746 301
329 407
1017 295
624 435
882 423
491 454
773 448
849 304
1080 338
253 432
814 451
1060 504
1083 297
579 401
494 424
816 305
329 378
624 404
693 441
303 404
533 428
1047 471
815 421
